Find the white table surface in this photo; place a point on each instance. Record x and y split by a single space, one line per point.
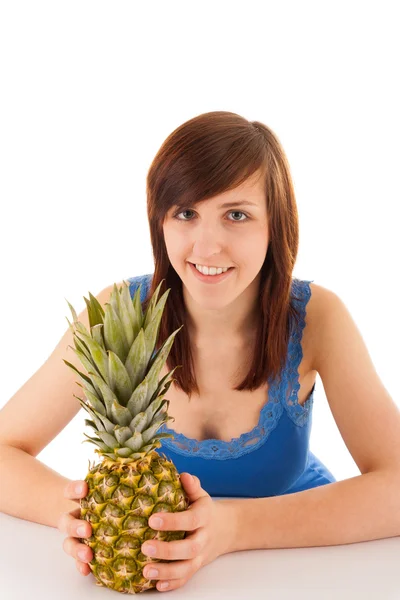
34 565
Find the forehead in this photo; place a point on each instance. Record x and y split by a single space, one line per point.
252 189
254 183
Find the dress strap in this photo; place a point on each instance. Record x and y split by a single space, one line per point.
299 413
134 283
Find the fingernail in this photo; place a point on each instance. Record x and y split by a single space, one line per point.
156 522
164 585
79 488
151 573
82 554
81 530
150 550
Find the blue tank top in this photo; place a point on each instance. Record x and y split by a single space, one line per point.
274 457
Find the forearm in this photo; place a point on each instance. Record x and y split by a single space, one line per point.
30 490
362 508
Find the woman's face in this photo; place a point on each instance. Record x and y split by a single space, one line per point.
228 230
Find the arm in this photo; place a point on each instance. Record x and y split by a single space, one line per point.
29 421
34 492
362 508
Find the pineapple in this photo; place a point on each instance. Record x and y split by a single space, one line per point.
125 400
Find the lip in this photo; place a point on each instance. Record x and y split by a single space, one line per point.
210 278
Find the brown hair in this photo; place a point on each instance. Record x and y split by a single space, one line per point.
210 154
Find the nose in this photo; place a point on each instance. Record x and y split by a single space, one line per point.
207 242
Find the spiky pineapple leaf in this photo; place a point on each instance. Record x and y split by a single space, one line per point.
95 417
87 387
97 305
82 376
135 442
98 355
88 364
120 414
154 407
96 403
122 434
81 347
160 389
123 313
73 311
129 304
108 439
109 454
97 334
152 329
149 433
101 421
138 401
114 335
80 328
107 424
161 436
137 305
149 314
120 382
95 311
136 361
125 452
153 375
96 441
139 422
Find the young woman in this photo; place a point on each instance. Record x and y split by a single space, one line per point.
220 197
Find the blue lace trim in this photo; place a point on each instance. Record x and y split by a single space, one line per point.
297 412
276 397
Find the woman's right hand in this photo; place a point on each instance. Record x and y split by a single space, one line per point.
70 523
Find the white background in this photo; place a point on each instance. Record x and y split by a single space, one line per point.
90 90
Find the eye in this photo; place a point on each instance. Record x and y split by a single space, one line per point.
231 211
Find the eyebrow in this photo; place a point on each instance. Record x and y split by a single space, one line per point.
237 203
224 205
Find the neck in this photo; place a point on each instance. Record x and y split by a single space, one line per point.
233 324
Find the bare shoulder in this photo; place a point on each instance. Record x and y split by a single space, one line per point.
352 385
319 299
318 304
29 425
325 310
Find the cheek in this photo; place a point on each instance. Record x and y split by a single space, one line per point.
254 247
170 239
177 249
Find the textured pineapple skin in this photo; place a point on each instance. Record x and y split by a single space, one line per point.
120 500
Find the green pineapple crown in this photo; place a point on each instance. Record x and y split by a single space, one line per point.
124 396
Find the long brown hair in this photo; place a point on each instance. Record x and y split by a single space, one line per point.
210 154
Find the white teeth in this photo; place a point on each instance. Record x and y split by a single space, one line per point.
211 270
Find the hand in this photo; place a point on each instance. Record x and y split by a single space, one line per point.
70 523
212 526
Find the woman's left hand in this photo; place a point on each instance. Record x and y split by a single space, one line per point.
211 524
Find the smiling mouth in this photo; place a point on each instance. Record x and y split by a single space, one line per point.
194 264
209 278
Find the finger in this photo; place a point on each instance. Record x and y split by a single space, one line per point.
196 516
185 549
75 490
192 486
83 568
72 525
175 570
172 584
77 550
